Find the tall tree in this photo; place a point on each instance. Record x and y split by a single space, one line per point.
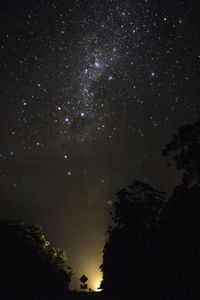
154 247
182 227
127 255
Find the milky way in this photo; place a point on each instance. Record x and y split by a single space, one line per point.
91 92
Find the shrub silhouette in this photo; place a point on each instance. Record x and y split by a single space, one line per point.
28 268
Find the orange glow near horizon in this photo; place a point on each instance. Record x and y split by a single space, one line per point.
95 283
94 279
89 266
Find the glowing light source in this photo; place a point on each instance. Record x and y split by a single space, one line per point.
94 282
96 285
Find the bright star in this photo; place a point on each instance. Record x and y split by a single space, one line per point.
97 64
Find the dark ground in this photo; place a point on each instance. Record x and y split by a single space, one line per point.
102 296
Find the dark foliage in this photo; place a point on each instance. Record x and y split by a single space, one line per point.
154 248
28 268
182 227
129 254
185 150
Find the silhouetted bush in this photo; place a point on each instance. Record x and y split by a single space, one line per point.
28 268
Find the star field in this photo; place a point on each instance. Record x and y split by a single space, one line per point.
91 92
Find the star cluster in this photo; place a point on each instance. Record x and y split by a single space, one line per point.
91 91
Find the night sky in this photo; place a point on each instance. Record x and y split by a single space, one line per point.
91 92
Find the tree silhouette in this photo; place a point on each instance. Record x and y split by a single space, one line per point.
181 241
128 255
154 248
141 204
182 227
184 149
28 268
